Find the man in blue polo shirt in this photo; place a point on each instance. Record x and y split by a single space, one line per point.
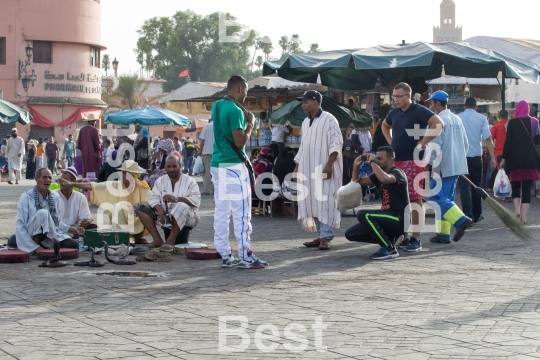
409 123
477 128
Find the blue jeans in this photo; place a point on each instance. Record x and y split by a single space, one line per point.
188 166
471 202
69 160
325 231
51 164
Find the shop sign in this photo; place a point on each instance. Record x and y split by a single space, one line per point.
74 87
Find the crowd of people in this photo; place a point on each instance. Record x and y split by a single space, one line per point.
157 189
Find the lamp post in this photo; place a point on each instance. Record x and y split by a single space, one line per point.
115 66
24 64
25 82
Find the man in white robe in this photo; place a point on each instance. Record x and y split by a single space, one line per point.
15 153
39 218
177 191
319 168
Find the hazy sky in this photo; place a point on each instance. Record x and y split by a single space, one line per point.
333 25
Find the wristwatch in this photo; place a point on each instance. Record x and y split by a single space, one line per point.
175 199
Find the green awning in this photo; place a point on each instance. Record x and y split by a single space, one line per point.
360 69
11 113
294 113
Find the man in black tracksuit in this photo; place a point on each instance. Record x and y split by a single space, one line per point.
382 226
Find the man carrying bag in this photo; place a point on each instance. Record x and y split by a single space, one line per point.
231 175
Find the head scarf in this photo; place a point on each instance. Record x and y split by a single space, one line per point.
522 110
264 160
167 145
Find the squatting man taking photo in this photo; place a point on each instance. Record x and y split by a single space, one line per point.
386 226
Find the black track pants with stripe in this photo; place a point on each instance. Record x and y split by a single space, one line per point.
376 227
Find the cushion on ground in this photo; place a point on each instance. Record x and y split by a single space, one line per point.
66 254
202 254
13 256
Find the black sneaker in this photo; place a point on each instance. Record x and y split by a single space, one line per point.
440 240
480 218
414 245
385 254
460 231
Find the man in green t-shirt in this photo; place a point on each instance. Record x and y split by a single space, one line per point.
69 150
232 188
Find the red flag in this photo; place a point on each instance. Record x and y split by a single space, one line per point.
184 73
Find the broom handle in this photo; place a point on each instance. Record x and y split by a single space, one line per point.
469 181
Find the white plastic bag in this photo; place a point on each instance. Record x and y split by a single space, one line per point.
198 168
349 196
501 187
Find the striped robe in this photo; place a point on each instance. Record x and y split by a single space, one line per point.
186 187
318 142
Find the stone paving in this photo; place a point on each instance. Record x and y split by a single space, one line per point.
476 299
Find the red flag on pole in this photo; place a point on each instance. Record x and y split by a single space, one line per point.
184 73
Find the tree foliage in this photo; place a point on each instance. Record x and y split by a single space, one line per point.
167 45
106 63
128 90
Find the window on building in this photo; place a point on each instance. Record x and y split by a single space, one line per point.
2 51
94 57
450 21
42 52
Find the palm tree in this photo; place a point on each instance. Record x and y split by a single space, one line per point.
259 62
128 90
106 63
295 44
256 44
266 46
284 44
313 48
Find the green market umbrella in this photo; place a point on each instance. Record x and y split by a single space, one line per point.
11 113
345 116
360 69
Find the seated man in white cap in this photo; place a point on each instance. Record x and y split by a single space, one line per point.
39 218
76 209
118 199
175 195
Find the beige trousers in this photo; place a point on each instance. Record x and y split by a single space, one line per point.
208 187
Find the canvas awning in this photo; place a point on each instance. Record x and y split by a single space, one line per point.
196 91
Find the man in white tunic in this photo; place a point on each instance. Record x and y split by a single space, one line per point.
15 153
180 193
319 167
39 218
76 209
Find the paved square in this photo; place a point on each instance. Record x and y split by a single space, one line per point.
476 299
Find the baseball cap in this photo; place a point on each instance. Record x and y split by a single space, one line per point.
311 95
438 95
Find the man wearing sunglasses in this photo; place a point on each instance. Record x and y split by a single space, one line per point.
406 129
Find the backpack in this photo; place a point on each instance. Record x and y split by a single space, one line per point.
349 152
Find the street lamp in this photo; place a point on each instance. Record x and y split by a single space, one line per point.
24 64
115 66
25 82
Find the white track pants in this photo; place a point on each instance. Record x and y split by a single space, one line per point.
232 192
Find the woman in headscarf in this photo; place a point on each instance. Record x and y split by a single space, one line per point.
166 148
142 150
31 160
520 158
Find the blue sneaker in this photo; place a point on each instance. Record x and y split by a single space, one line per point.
252 262
440 240
385 254
414 245
403 245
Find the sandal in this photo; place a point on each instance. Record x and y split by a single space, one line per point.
325 244
314 243
166 248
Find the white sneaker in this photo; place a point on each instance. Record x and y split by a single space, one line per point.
252 262
229 261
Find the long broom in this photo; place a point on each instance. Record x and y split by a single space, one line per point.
509 219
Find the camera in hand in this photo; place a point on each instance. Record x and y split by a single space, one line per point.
363 157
